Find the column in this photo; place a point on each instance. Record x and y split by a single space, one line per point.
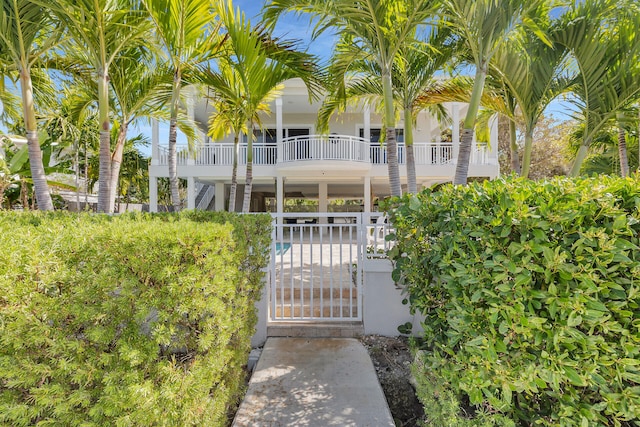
191 193
323 200
155 139
279 129
280 206
219 195
280 194
367 194
367 123
153 194
455 130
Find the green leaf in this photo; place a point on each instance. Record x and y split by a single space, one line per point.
573 377
620 222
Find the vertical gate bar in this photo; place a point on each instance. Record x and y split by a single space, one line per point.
361 238
341 271
311 299
301 260
311 276
301 285
321 286
330 271
273 278
290 268
351 271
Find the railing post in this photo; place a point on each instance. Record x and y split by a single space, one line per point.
279 130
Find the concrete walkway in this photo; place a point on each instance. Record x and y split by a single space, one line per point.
314 382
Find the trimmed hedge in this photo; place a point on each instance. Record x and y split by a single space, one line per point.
531 292
127 320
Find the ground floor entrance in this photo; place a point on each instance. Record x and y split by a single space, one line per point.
316 265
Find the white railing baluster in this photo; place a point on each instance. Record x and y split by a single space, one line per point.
320 148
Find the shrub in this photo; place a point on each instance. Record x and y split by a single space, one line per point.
531 296
126 320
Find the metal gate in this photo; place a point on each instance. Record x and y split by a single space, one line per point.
316 267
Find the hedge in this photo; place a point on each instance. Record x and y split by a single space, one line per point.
531 296
126 320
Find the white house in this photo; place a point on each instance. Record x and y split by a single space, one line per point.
291 160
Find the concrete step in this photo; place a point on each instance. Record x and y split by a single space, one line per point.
314 329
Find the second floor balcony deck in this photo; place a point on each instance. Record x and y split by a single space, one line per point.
321 150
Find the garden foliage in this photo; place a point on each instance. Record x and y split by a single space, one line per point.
127 320
530 293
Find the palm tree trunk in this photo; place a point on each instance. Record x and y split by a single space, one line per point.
40 186
24 194
246 204
580 156
390 139
412 185
464 152
234 174
104 177
526 157
116 162
622 149
513 148
173 135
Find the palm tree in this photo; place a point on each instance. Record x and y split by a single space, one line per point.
253 67
229 114
533 76
100 30
375 30
186 29
416 88
26 32
140 91
605 56
484 26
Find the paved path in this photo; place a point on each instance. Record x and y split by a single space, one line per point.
314 382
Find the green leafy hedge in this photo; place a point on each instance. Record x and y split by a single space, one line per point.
126 320
531 293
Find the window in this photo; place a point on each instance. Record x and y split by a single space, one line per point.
262 136
377 132
268 136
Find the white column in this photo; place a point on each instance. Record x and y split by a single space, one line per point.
280 205
455 130
367 194
279 129
280 194
366 134
219 195
153 194
155 140
191 193
323 200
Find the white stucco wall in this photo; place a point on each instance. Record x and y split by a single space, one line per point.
382 309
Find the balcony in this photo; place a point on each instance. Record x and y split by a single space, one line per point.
304 151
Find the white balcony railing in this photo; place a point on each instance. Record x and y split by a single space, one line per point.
320 147
325 147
